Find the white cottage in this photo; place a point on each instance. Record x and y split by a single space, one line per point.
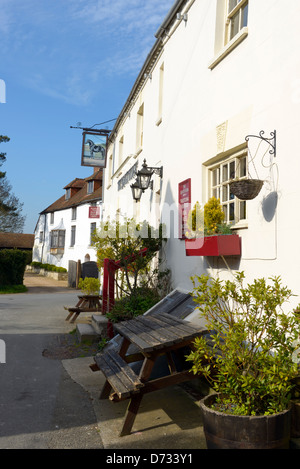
219 71
63 231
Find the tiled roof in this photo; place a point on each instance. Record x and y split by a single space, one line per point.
78 183
81 195
16 240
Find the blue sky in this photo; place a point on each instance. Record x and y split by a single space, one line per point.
64 62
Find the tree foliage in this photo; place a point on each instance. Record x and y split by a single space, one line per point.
133 244
11 218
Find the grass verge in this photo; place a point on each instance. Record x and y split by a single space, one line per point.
12 289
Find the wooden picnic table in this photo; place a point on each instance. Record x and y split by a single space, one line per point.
85 304
154 336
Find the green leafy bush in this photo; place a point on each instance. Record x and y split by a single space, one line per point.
12 266
89 285
48 267
134 305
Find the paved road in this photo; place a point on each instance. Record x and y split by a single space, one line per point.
41 407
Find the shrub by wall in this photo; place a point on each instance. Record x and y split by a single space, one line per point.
12 266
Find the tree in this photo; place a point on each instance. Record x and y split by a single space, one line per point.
11 218
134 244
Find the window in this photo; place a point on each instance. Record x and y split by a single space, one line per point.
41 237
73 235
51 218
93 228
57 239
231 28
237 17
139 128
68 193
74 213
121 146
160 94
90 188
220 176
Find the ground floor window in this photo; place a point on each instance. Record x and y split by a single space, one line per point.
220 174
57 239
92 231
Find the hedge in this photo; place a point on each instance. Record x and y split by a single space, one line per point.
12 266
49 267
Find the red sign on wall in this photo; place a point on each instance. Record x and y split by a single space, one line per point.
184 202
94 212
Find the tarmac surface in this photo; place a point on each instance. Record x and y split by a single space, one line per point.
50 396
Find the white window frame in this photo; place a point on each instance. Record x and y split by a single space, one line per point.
235 13
90 187
74 213
223 44
57 239
219 175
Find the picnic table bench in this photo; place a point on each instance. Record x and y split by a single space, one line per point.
153 336
85 304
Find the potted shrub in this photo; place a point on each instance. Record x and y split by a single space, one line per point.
249 358
205 228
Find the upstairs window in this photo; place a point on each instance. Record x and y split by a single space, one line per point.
139 128
237 17
90 188
74 213
68 193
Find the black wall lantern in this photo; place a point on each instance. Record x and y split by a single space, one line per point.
136 191
143 180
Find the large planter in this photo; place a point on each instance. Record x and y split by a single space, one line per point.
220 245
226 431
246 189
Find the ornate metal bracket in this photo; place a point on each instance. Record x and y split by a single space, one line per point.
271 141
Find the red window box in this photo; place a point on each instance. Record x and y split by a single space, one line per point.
219 245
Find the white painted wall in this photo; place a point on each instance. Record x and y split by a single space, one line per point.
256 87
62 220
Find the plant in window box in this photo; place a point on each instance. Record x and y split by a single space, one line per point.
249 357
206 230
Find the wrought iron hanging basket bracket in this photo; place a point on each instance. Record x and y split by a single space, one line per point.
271 140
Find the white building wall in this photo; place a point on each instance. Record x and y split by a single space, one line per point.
208 112
63 220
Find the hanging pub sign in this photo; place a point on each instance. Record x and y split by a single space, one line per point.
94 146
184 202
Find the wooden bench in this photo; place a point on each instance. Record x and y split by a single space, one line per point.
85 304
153 336
120 377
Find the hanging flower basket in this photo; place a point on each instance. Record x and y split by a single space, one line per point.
246 189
